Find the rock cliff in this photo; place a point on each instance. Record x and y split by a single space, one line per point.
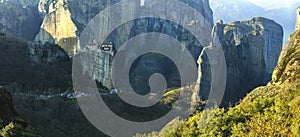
251 50
58 27
62 21
286 76
287 70
140 26
20 18
271 110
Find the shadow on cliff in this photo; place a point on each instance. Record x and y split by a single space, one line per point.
29 66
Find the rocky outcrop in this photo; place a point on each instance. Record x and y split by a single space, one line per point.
288 68
251 50
140 72
286 76
64 21
272 33
59 27
20 18
265 111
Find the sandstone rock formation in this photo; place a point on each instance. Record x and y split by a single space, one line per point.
59 27
141 72
251 50
63 22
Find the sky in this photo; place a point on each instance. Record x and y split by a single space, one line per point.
269 4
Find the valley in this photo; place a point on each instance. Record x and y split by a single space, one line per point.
40 40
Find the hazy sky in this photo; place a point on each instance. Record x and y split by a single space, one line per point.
274 3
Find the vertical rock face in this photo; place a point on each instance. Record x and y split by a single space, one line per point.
97 58
19 18
273 37
251 50
64 19
59 27
153 63
139 71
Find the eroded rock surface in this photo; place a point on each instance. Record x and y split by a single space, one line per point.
251 50
20 18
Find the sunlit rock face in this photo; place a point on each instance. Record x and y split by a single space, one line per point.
61 22
251 50
287 70
64 20
81 12
58 27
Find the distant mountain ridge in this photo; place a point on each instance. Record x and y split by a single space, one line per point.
232 10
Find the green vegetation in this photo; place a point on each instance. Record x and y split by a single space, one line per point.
133 113
22 70
268 111
11 125
276 116
15 130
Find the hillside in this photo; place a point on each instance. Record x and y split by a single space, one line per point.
271 110
30 66
38 73
11 124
